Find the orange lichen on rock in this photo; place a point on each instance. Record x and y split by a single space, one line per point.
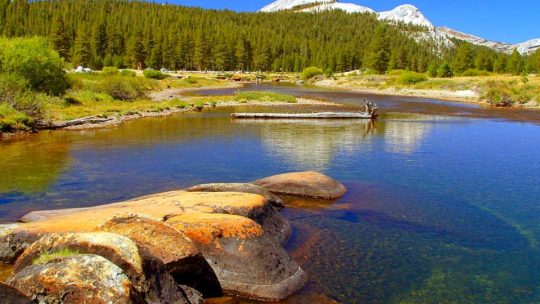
157 206
206 227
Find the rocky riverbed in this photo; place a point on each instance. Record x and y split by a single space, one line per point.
175 247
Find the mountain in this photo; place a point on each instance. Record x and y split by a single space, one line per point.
315 6
406 13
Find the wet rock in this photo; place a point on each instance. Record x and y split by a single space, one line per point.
82 278
11 295
305 184
247 261
180 256
13 241
239 187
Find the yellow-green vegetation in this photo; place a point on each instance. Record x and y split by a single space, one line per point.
46 257
263 96
194 81
311 72
501 90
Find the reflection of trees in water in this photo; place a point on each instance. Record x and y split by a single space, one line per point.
313 144
32 165
405 137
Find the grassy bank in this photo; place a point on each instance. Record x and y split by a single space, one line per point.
497 90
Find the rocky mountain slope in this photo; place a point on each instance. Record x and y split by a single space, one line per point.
406 13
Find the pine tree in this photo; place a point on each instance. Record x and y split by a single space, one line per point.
445 70
156 60
59 37
379 50
515 63
82 49
99 40
202 52
499 65
136 53
464 59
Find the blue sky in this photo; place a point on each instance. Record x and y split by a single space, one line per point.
500 20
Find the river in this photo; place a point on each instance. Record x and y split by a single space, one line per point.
443 207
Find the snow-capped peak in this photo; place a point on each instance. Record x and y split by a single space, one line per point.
406 13
281 5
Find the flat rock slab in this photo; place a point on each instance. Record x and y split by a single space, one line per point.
239 187
76 279
247 261
304 184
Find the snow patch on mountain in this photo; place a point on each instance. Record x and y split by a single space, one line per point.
406 13
281 5
347 7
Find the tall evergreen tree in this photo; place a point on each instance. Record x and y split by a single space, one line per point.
464 59
136 54
379 50
515 63
59 37
82 49
202 52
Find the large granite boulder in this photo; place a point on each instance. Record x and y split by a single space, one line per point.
239 187
305 184
81 278
247 261
10 295
13 241
180 256
147 274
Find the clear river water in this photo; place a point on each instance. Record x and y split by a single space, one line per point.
443 203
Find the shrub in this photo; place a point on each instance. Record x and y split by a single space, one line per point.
328 73
191 80
128 73
122 88
110 70
13 120
397 72
475 72
153 74
445 71
433 70
10 87
410 78
311 72
33 60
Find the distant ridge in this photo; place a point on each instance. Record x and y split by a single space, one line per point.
405 13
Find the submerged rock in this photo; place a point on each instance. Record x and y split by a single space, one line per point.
11 295
247 261
180 256
239 187
82 278
305 184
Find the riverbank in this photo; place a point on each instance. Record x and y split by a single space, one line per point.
499 91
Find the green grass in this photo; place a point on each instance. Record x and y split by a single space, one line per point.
46 257
263 96
12 120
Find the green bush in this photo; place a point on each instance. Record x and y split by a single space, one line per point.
110 70
433 70
397 72
153 74
33 60
13 120
328 73
311 72
128 73
122 88
475 72
411 78
445 71
191 80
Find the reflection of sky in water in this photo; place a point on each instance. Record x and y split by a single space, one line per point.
450 209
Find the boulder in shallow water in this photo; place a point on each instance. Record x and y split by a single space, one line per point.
305 184
180 256
247 261
82 278
11 295
239 187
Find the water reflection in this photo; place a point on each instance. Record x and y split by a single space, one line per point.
405 137
312 144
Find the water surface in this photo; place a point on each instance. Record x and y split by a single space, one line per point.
443 204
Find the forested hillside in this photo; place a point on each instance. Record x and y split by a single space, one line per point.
139 34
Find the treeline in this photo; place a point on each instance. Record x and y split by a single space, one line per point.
139 34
